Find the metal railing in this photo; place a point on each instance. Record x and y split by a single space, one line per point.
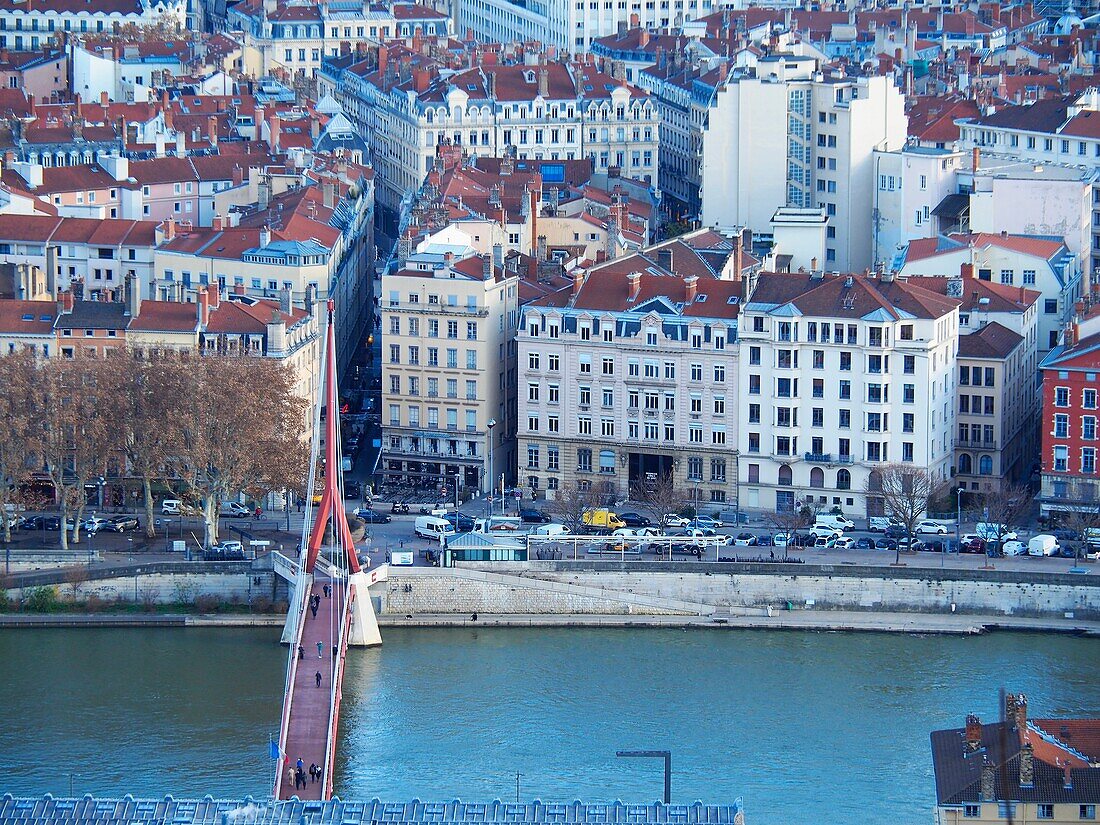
337 684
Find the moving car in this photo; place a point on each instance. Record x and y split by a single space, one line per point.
675 520
430 527
533 516
634 520
706 523
931 527
122 524
234 509
370 516
93 524
599 519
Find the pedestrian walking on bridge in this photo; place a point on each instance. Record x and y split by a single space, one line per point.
318 678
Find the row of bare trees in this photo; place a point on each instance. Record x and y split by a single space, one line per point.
207 426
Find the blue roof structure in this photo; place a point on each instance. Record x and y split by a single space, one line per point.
89 810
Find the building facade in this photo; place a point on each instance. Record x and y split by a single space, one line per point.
876 362
448 321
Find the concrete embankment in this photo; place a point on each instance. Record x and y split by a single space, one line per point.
739 593
26 620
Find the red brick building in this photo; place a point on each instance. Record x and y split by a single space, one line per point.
1071 409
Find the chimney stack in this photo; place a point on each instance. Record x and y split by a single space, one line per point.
544 83
285 300
578 282
212 130
634 279
214 295
265 236
976 158
973 732
274 132
691 285
1027 766
988 781
486 268
133 296
540 248
664 258
202 302
966 271
498 255
1021 699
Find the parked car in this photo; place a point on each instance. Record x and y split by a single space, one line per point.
931 527
910 545
879 524
886 544
894 531
745 540
764 540
370 516
971 543
865 544
783 539
234 509
844 543
529 515
460 521
706 523
1014 548
225 551
93 524
123 524
938 546
353 489
674 520
1067 535
634 520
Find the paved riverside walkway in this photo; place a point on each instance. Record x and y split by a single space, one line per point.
311 707
820 620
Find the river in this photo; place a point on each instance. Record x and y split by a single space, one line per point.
802 725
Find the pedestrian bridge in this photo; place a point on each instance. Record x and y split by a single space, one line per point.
329 610
89 810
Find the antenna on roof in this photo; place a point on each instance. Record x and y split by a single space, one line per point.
849 302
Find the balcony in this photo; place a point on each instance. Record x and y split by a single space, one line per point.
820 458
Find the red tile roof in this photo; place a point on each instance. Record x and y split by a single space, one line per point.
924 248
14 316
991 341
849 296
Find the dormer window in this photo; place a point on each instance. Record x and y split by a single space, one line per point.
529 76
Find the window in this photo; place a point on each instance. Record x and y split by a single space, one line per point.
584 460
972 810
1045 810
908 393
909 364
1088 460
845 389
584 426
845 419
754 413
695 469
754 385
846 361
553 363
719 373
1088 399
1061 426
1061 458
1087 812
819 359
1061 396
754 442
907 422
553 458
608 366
754 355
1088 427
1050 306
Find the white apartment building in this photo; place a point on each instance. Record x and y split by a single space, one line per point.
448 325
922 192
829 127
571 25
1061 130
839 376
553 111
629 378
1037 262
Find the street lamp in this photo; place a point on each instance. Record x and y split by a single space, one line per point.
492 422
958 521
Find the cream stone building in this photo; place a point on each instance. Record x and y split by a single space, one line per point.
448 318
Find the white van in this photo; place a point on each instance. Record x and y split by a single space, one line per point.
880 524
171 507
834 523
1042 545
551 530
234 509
431 527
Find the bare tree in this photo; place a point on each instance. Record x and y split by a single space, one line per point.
788 522
17 373
148 389
75 437
905 490
242 430
570 504
659 497
1001 510
1084 520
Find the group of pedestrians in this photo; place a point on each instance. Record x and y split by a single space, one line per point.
298 773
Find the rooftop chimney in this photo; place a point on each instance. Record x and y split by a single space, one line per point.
544 83
976 158
634 279
265 236
202 302
966 271
214 295
578 282
691 285
486 268
275 132
973 732
212 130
65 302
1027 766
664 258
285 300
498 255
181 145
988 782
133 296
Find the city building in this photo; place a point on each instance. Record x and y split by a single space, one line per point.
293 37
1069 417
405 106
997 403
448 319
30 26
875 358
787 133
1017 769
629 377
569 26
1063 129
1037 262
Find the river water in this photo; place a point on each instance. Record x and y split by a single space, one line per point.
802 725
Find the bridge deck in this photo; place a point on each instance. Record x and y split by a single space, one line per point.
312 708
